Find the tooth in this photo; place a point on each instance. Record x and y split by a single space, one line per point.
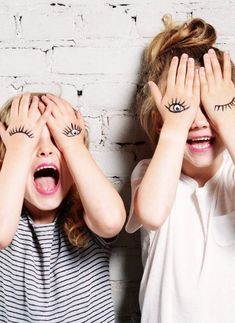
45 167
201 139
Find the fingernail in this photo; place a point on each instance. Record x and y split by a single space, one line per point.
184 55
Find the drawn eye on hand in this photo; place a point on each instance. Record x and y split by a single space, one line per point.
176 106
72 130
226 106
21 129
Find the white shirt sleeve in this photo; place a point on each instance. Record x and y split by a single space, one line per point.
136 178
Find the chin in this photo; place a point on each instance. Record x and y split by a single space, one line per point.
45 206
37 201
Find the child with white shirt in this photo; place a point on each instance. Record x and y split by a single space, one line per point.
183 197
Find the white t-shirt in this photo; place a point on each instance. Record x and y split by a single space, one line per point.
189 263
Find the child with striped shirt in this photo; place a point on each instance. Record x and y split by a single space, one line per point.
58 212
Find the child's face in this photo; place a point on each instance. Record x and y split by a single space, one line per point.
49 179
204 147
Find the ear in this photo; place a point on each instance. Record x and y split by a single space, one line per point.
156 122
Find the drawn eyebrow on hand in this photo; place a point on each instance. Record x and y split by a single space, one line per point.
226 106
21 129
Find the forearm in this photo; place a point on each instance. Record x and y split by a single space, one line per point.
156 194
13 177
227 134
104 209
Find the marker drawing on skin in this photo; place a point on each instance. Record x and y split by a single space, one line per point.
224 107
21 129
72 130
176 106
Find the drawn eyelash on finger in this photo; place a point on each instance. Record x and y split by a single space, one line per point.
223 107
176 106
72 130
21 129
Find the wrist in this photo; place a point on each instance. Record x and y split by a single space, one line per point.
20 151
174 132
74 147
18 158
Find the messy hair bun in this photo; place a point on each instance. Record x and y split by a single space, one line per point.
194 37
182 38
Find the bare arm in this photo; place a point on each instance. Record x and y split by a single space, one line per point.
104 209
156 193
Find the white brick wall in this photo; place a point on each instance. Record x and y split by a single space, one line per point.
89 51
22 62
97 60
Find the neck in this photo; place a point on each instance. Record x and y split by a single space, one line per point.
40 216
202 174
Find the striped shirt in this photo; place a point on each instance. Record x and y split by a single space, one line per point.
43 278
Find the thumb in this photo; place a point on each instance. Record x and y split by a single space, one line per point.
156 93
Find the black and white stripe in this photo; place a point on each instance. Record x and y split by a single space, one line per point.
43 278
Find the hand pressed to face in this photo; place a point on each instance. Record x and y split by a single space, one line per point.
217 89
180 101
66 125
25 124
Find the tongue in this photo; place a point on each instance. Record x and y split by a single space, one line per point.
45 184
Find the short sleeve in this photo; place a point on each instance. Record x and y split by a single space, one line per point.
136 178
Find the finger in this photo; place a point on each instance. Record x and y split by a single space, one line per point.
208 71
181 73
24 106
64 105
55 111
15 107
41 106
196 86
171 77
215 65
44 117
227 69
203 81
190 75
156 93
34 112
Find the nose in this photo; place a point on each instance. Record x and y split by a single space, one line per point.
200 120
45 150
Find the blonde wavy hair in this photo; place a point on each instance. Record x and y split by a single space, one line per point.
194 37
74 225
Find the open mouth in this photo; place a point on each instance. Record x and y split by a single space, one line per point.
201 144
46 179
